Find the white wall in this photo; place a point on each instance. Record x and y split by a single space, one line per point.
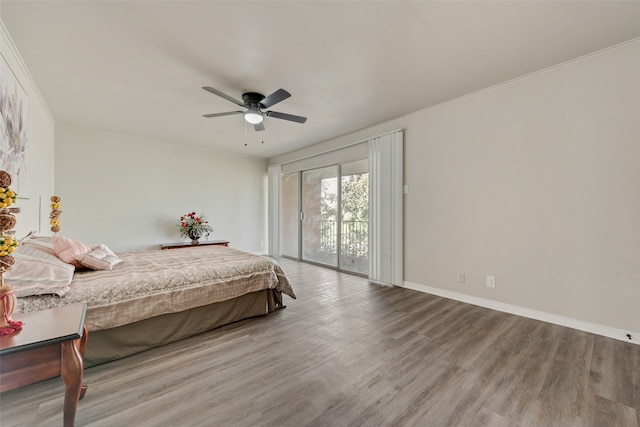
40 136
129 192
535 181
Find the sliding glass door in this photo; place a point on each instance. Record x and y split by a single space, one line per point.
354 217
320 216
325 216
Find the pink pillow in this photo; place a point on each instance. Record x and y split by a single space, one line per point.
68 250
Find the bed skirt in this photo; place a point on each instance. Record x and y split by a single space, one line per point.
111 344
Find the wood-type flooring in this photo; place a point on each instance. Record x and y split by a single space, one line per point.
351 353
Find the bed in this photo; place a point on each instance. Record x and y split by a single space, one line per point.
151 298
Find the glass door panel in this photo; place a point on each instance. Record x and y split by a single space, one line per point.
354 209
290 214
320 215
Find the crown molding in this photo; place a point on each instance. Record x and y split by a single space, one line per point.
8 46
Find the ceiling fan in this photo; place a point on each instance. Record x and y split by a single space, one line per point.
255 103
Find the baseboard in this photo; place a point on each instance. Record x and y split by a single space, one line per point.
593 328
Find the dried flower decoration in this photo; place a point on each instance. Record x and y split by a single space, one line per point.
8 245
54 217
7 220
7 197
5 179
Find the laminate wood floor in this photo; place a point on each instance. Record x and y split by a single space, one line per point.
351 353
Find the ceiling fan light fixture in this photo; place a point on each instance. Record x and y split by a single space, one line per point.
254 103
253 117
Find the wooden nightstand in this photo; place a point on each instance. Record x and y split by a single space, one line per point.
189 245
50 343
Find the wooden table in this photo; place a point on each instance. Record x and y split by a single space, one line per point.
50 343
189 245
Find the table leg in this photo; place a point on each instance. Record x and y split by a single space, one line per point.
71 370
82 347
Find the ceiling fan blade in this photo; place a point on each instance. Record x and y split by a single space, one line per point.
274 98
223 95
228 113
285 116
259 126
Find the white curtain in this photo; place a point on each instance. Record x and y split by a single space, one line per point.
275 248
385 208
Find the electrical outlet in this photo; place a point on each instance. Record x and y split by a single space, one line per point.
461 278
491 281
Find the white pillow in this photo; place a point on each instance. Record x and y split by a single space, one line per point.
100 258
38 271
43 241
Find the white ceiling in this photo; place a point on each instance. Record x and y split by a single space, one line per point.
137 67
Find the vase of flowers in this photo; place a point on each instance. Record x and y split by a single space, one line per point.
194 226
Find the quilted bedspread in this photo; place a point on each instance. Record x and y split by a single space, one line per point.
152 283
